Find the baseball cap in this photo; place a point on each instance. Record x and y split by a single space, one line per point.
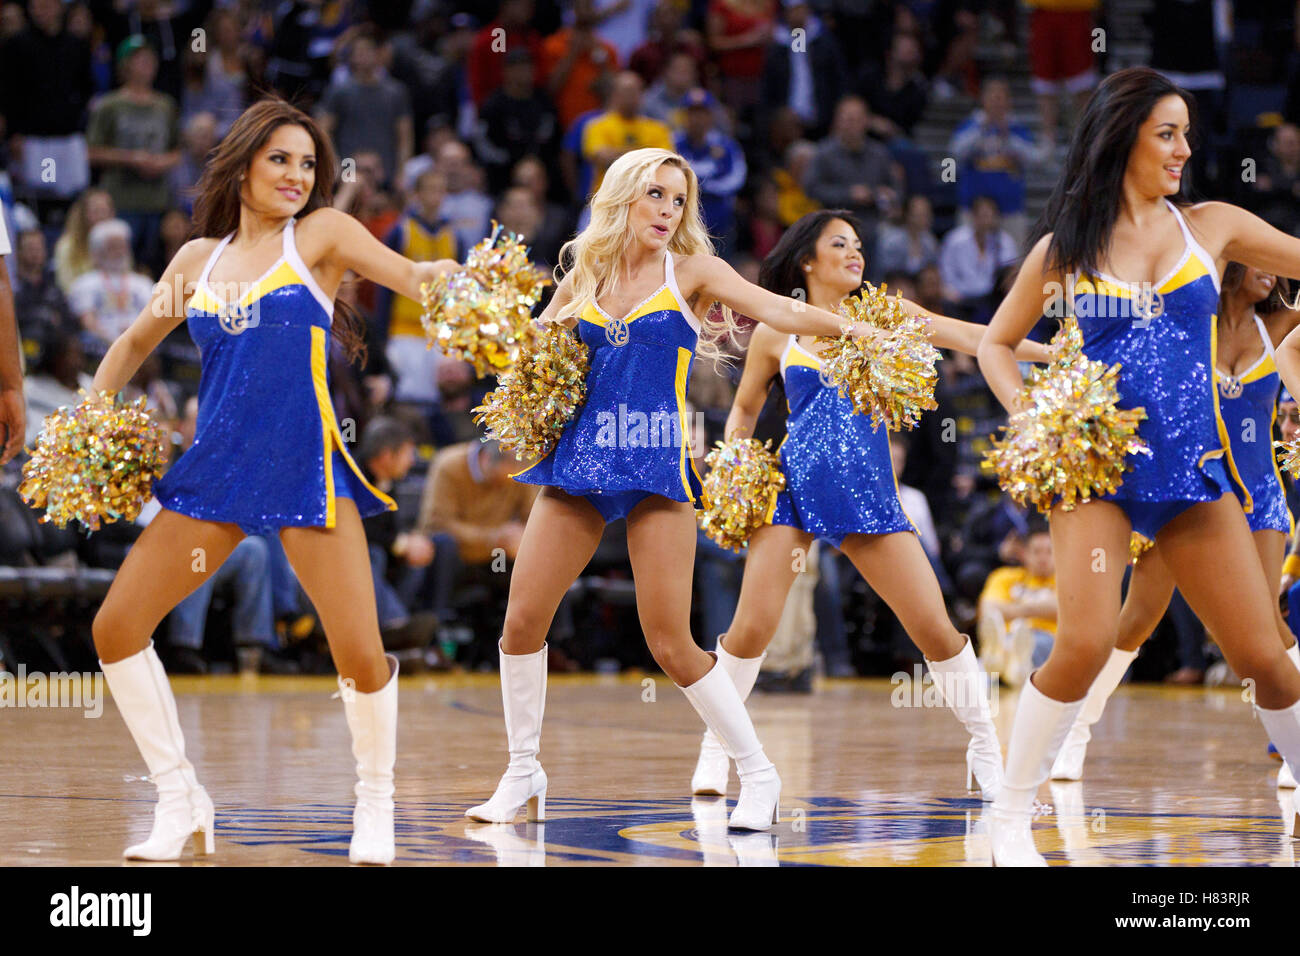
130 45
699 98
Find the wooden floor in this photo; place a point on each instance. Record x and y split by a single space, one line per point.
1177 777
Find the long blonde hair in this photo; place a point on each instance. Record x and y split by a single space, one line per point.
594 255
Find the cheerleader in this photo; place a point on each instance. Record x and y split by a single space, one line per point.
257 292
1141 273
840 487
642 274
1246 376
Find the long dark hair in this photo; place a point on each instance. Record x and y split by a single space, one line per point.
217 202
1085 201
782 270
1278 298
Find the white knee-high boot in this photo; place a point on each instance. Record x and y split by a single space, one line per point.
184 810
1283 728
1069 762
372 719
523 697
964 686
1040 726
715 699
713 766
1286 773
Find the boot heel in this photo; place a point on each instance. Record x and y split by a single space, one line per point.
970 775
776 811
536 809
203 842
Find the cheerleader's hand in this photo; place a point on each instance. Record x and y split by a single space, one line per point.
428 272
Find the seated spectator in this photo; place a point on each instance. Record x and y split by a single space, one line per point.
571 62
993 152
134 140
108 298
808 77
853 171
666 37
466 206
621 128
515 121
40 307
519 212
369 110
663 100
197 141
530 173
385 454
1024 597
719 165
1275 193
72 250
53 382
972 257
912 246
763 226
422 234
792 202
477 513
897 91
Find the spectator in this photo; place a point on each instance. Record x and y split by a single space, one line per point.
134 139
200 136
520 212
479 511
915 505
621 128
39 304
808 76
853 171
574 168
763 226
515 121
1275 194
572 60
530 173
993 152
369 110
72 250
956 32
46 127
665 38
663 100
898 91
1061 57
466 205
215 78
511 30
168 29
12 20
54 381
174 232
436 135
12 410
624 25
385 455
430 63
719 165
299 44
793 202
1025 597
423 234
109 297
973 255
738 32
912 246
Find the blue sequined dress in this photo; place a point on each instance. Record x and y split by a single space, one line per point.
630 439
1165 344
1248 403
839 478
265 423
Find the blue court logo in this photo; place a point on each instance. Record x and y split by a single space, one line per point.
616 332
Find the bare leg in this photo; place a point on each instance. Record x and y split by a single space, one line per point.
174 555
562 534
1271 546
770 570
1149 591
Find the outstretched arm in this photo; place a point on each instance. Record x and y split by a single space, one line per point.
949 333
1010 324
718 281
762 362
350 246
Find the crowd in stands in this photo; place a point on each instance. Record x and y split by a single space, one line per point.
447 116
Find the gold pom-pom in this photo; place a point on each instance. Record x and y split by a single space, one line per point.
94 463
482 313
890 375
1071 441
1138 544
740 489
528 410
1288 456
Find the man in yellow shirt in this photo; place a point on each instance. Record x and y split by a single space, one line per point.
1025 599
621 128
